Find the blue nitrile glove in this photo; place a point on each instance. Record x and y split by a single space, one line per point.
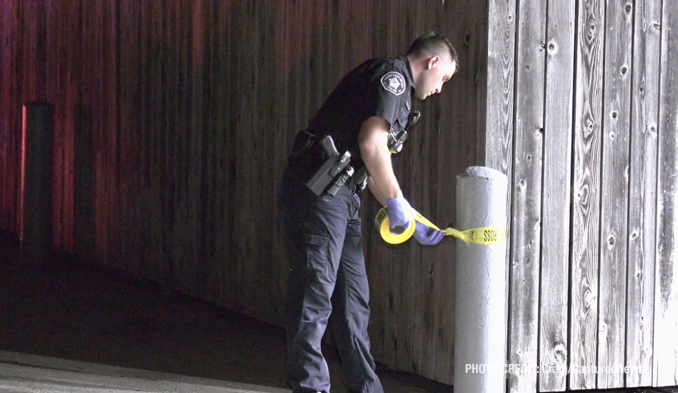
399 212
427 236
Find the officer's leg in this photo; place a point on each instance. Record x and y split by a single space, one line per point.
351 316
315 236
309 307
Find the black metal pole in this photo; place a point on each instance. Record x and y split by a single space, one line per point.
36 180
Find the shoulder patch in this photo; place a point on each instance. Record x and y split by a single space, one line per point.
393 82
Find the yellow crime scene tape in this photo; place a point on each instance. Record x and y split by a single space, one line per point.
483 236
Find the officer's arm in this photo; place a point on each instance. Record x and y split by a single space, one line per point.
375 191
373 142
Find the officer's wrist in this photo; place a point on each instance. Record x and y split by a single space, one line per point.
392 196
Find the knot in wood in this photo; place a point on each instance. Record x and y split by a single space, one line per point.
592 29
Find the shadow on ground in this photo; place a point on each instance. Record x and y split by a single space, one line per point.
67 309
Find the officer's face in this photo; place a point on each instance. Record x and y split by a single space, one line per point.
438 72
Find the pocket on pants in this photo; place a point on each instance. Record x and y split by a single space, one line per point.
314 254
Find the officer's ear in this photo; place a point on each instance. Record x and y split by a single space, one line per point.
433 62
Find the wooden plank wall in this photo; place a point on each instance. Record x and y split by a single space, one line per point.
593 299
642 194
666 269
614 195
556 194
182 113
526 189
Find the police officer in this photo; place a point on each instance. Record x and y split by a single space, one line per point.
327 277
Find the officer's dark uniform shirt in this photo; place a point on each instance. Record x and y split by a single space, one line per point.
378 87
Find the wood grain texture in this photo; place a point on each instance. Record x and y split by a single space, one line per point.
499 127
498 124
614 194
526 195
193 105
500 85
643 194
666 287
586 194
558 123
10 117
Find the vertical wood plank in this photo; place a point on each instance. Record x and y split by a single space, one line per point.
643 193
406 319
415 177
10 138
226 155
666 287
243 114
442 209
614 194
33 49
554 282
157 172
499 127
105 113
198 128
586 193
526 195
206 218
58 60
84 231
178 246
83 183
396 317
191 163
381 277
270 171
377 272
500 82
123 159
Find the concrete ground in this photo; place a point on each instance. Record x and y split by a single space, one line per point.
39 374
59 317
67 326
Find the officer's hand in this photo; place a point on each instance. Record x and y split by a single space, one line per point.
399 213
427 236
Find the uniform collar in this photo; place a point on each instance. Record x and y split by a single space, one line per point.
408 72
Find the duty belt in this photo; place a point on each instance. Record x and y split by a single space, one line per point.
334 172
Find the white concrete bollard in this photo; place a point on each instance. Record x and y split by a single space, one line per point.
480 285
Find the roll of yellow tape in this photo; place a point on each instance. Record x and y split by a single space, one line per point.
383 225
482 236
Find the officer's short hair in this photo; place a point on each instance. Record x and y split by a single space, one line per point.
431 43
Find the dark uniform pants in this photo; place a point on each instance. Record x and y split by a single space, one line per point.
327 282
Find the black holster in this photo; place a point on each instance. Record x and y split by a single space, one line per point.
325 170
